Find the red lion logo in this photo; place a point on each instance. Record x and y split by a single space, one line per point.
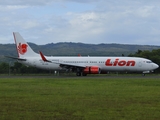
22 48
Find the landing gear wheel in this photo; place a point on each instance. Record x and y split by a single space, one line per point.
84 74
78 73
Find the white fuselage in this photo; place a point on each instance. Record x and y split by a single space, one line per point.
104 63
80 65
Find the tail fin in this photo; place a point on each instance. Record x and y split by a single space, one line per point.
23 49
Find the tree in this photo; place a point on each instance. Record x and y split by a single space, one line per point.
4 67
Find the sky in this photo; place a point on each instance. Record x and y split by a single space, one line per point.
85 21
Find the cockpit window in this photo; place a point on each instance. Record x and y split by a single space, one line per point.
148 61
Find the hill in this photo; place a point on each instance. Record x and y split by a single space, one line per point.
73 49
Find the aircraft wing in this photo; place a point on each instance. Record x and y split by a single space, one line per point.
66 65
71 65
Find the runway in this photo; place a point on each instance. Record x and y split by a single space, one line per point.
84 77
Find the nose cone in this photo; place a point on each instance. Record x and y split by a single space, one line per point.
155 66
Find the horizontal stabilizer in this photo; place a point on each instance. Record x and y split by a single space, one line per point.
16 58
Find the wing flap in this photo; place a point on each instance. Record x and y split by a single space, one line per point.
72 65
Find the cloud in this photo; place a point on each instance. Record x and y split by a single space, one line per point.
25 2
88 21
11 7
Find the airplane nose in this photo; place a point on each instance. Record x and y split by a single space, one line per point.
155 66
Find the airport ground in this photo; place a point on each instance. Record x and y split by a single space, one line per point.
66 97
73 75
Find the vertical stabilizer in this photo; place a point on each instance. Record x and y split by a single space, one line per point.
23 49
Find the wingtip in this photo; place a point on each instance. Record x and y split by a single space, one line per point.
43 57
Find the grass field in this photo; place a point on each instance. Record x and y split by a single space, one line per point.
80 98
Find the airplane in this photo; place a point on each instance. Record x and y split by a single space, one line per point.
81 65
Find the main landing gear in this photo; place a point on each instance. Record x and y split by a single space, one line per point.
81 74
78 73
143 74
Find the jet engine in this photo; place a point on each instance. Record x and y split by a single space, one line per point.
92 70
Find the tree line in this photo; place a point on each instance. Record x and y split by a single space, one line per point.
18 68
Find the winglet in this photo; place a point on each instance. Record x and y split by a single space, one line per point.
43 57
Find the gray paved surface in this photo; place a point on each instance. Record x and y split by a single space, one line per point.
71 76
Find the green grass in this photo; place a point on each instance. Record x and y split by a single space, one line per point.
80 98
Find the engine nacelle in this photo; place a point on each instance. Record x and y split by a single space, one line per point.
92 70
